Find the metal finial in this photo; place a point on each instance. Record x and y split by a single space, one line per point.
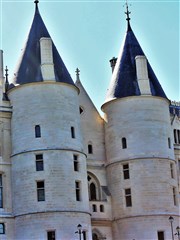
5 97
6 75
127 13
36 2
77 74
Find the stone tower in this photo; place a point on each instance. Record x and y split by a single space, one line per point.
141 168
62 164
50 196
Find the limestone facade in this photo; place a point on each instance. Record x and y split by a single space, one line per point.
62 164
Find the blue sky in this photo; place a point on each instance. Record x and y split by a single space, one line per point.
88 34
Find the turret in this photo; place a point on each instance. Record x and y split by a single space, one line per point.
48 159
139 148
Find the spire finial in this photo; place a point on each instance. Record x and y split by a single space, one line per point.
6 85
6 75
36 2
127 14
77 74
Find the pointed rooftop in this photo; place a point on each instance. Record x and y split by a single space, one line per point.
29 66
124 78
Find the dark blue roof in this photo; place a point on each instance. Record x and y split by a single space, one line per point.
124 82
29 67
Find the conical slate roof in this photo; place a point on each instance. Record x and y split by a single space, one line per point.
124 81
29 67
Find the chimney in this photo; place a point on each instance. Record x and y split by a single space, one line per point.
47 65
142 75
113 63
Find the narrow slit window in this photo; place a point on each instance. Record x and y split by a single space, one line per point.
124 143
78 191
94 208
174 196
126 171
175 137
90 149
169 142
72 132
172 170
40 191
1 191
39 162
101 208
178 136
37 131
128 197
76 163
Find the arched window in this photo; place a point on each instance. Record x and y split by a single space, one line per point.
124 143
92 188
95 236
37 131
101 208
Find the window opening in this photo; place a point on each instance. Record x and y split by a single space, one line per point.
124 143
51 235
2 228
81 110
78 191
76 163
128 197
172 170
126 171
93 192
160 235
174 196
40 191
94 208
178 136
169 142
90 149
37 131
1 192
95 236
39 162
72 132
175 138
101 208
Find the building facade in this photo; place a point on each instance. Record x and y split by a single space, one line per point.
63 165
